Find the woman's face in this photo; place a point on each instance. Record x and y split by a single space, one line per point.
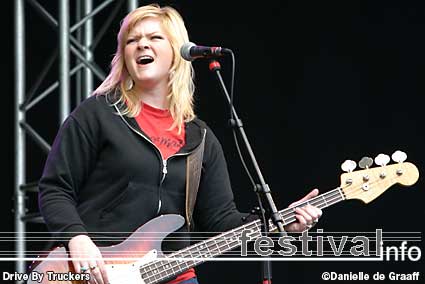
148 54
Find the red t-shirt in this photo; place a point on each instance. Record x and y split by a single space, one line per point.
155 123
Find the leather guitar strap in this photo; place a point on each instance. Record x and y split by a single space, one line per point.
193 177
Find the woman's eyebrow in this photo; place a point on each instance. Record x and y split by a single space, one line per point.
132 34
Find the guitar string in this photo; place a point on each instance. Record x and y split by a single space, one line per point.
322 201
183 265
178 266
154 266
346 192
315 201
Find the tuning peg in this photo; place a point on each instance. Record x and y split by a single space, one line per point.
365 162
382 160
399 156
348 166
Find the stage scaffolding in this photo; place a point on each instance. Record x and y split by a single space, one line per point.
77 40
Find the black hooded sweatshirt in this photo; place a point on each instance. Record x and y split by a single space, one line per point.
104 178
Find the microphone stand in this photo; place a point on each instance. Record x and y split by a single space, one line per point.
262 189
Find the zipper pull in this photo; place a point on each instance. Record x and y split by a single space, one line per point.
164 170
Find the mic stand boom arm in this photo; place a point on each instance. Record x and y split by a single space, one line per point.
263 187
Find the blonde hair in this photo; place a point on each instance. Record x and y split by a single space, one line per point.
181 85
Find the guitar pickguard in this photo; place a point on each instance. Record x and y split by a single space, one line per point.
129 273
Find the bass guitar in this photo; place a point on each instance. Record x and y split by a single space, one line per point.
142 262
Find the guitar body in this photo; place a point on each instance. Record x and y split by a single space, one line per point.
142 246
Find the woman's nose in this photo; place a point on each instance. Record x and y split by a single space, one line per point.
143 43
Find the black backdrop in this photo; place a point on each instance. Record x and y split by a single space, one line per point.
316 83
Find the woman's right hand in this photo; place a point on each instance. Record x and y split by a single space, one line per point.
87 258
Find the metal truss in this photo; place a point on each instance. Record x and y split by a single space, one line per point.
77 43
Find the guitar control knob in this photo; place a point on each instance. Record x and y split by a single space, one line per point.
382 160
348 166
399 156
365 162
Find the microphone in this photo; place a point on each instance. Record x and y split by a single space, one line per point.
190 51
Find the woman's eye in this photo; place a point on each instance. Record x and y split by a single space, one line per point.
130 40
157 37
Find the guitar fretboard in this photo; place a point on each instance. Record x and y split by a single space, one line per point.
180 261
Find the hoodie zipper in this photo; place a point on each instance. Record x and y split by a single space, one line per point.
164 161
164 169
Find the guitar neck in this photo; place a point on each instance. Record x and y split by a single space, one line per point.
198 253
321 201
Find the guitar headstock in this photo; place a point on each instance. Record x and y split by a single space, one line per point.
368 183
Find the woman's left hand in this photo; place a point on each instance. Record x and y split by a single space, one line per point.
307 216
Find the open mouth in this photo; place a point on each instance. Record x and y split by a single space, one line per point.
144 59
